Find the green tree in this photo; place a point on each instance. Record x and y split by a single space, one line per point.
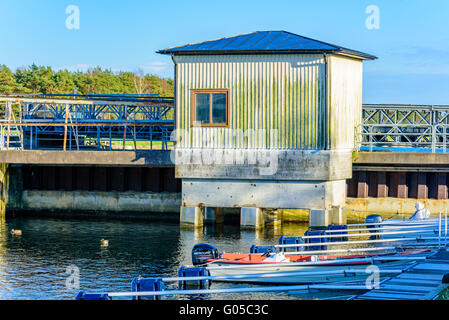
7 81
38 79
8 84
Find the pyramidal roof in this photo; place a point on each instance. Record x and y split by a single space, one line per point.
261 42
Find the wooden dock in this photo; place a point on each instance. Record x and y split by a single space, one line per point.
423 281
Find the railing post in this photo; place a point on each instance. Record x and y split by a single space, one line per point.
9 108
433 138
65 126
124 128
444 137
31 138
2 141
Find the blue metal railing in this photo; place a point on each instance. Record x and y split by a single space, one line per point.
99 122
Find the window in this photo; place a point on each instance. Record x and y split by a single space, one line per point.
210 108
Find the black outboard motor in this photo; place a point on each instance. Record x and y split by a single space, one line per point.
202 252
373 218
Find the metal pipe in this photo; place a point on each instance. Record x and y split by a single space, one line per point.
433 221
239 290
345 242
363 234
323 252
377 229
445 225
439 231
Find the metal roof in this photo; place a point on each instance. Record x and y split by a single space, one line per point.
261 42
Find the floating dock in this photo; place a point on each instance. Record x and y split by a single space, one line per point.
424 281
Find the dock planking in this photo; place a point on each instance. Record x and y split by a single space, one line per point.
423 281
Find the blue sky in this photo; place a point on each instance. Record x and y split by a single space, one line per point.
412 42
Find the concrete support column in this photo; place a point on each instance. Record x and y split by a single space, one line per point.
213 215
362 184
319 218
423 191
382 187
338 216
402 185
3 189
252 218
192 216
442 186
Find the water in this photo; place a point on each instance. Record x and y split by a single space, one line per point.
38 264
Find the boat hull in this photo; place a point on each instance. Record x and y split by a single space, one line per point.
303 274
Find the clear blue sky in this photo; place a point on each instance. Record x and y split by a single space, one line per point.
412 42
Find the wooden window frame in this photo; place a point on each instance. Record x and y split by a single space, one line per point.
193 92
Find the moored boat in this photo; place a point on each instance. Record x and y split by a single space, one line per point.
300 269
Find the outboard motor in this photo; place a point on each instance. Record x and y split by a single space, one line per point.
373 218
202 252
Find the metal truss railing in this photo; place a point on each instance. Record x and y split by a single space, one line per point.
100 122
409 126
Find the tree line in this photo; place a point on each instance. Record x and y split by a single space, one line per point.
40 79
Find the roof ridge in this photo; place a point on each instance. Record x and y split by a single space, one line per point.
216 47
199 42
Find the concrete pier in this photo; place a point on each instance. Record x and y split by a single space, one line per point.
213 215
98 201
252 218
319 218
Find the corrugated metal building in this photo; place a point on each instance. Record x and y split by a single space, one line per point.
266 90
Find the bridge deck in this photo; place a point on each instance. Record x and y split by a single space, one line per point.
151 158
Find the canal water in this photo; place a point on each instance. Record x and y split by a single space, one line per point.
44 261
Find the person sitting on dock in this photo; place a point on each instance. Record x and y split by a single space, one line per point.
421 213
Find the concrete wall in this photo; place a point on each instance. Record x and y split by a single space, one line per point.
401 159
357 209
317 165
263 193
71 189
154 158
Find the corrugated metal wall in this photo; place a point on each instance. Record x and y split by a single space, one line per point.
281 92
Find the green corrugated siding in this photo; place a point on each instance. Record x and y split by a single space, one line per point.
283 92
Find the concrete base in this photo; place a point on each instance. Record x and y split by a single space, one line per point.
263 193
356 210
319 218
338 215
192 216
252 218
112 201
323 218
213 215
